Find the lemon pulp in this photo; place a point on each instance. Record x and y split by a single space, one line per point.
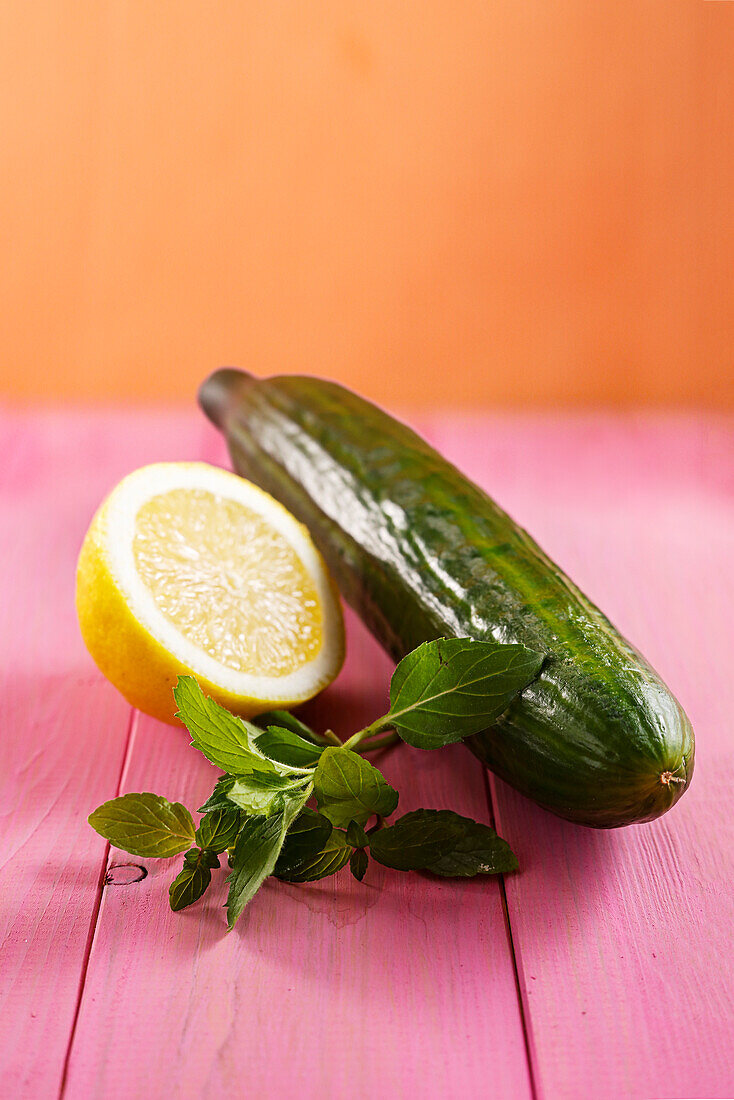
188 569
228 580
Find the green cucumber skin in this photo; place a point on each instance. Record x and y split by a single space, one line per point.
420 552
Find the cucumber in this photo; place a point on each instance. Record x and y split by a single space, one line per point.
420 552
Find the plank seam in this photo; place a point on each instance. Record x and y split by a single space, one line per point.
130 738
524 1022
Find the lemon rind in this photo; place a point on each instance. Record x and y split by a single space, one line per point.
161 651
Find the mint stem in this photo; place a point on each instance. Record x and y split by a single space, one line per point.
361 735
382 741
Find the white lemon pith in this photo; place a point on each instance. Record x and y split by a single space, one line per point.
188 569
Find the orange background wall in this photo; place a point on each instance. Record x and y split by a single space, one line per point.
528 201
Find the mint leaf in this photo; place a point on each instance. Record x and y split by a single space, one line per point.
349 788
193 879
356 836
256 852
479 851
449 689
306 838
443 842
259 794
224 738
331 858
145 825
415 840
218 829
285 747
253 859
218 800
358 863
285 720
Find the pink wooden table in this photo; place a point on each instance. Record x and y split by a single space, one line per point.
602 969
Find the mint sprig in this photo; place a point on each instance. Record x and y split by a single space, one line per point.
225 739
218 800
358 863
330 858
253 859
288 747
258 811
219 828
305 840
442 842
256 852
452 688
348 788
260 794
447 690
145 825
193 879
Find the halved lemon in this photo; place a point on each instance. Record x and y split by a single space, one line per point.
188 569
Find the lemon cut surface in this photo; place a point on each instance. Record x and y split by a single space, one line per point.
189 569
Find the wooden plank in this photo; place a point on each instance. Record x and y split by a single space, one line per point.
64 728
623 938
399 986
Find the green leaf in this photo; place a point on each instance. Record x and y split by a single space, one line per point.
256 852
306 838
330 859
356 836
145 825
358 863
478 852
449 689
218 829
285 720
259 794
224 738
443 842
253 859
286 747
193 879
349 788
218 800
415 840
